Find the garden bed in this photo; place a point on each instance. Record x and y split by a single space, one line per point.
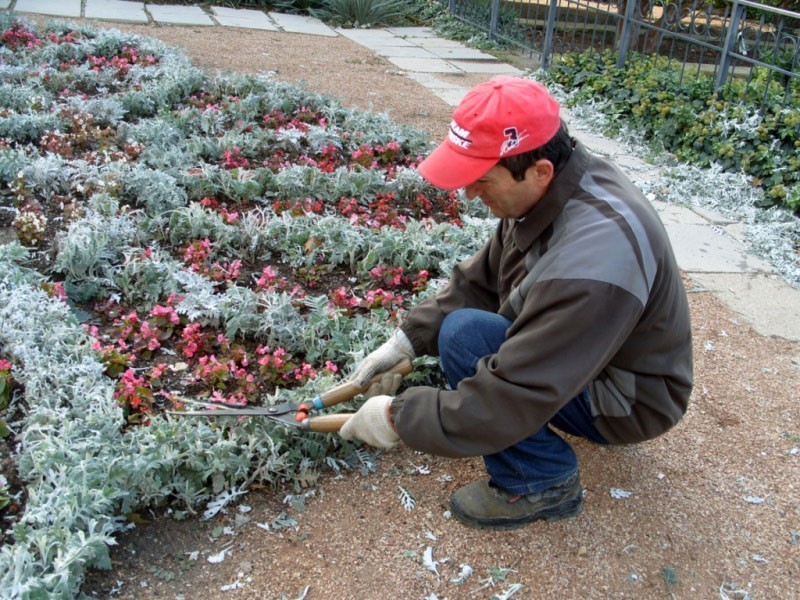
234 239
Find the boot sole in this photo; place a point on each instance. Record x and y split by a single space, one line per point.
565 510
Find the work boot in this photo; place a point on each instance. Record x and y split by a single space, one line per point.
484 506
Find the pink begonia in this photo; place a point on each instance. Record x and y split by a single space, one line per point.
275 359
238 372
197 252
331 367
5 365
343 299
56 290
191 335
381 298
128 383
157 371
150 333
233 270
306 371
174 299
235 399
228 216
268 275
165 311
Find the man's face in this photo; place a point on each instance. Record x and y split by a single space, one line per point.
507 197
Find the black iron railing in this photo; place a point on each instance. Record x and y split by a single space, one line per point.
736 40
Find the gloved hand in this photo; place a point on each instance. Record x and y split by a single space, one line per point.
371 424
387 385
391 352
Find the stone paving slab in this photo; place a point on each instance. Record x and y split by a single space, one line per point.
169 14
672 214
713 216
486 67
456 53
701 249
367 36
116 10
245 18
403 52
436 42
424 65
300 24
373 37
768 303
430 81
412 32
56 8
453 97
738 231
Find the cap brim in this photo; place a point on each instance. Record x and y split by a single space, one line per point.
450 170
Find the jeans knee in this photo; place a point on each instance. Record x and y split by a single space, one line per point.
448 331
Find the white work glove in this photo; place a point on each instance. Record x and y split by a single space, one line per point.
386 385
371 424
391 352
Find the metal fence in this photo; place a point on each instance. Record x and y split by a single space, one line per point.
739 39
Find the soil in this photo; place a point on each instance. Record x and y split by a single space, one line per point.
709 510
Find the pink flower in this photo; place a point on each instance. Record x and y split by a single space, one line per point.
165 311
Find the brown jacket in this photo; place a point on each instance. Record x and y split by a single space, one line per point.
590 282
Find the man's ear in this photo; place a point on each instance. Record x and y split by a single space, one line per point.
544 171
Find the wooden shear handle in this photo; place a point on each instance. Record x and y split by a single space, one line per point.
326 423
348 390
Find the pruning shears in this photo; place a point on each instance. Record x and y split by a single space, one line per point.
296 414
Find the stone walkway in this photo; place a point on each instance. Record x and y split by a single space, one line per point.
708 247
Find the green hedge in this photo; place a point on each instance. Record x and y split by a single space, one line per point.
688 119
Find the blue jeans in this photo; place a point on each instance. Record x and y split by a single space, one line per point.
540 461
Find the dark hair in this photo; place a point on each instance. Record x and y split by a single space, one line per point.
557 151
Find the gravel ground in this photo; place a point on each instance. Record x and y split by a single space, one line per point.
707 511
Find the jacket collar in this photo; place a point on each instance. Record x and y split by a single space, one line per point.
544 212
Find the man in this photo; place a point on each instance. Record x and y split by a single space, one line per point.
572 317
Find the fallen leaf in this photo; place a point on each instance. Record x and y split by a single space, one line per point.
619 494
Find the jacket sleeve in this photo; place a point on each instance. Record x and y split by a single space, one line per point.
566 333
473 284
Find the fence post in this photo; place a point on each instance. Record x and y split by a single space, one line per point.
547 51
493 19
627 32
451 5
730 45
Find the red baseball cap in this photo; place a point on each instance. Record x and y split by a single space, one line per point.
501 117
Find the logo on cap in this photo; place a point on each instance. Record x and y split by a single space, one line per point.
459 136
512 140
